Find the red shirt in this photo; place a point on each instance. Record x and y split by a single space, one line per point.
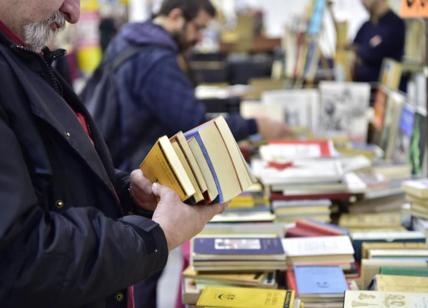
10 34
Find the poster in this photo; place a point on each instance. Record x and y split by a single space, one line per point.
414 8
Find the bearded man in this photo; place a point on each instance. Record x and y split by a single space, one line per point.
68 237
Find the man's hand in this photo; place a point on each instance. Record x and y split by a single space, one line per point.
180 222
272 129
141 190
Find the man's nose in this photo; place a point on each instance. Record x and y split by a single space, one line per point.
71 10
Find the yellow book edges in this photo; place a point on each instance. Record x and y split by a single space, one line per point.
163 166
203 165
245 298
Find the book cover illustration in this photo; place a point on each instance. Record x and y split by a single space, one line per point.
343 109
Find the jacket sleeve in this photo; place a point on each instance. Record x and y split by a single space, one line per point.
51 259
126 200
170 97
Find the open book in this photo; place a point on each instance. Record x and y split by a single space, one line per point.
203 165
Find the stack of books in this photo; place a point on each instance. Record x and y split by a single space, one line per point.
222 253
317 286
323 250
304 170
290 211
372 222
384 179
203 165
407 251
195 282
365 237
417 195
240 261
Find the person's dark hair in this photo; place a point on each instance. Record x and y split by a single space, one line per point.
190 8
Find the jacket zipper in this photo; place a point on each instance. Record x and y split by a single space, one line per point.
50 73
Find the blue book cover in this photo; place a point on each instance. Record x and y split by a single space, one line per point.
195 134
320 280
238 246
404 136
317 17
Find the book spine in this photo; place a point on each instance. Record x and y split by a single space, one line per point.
291 280
209 162
332 196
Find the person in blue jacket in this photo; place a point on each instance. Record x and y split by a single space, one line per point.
155 96
382 36
69 235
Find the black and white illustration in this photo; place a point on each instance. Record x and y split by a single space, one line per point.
344 109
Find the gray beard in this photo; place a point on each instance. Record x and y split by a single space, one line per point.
38 34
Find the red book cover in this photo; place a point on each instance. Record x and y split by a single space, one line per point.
300 232
321 229
277 196
291 280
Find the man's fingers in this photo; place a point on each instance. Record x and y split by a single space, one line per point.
138 179
219 208
164 192
211 210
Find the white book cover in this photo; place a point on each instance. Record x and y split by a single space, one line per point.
291 150
318 246
344 108
304 171
385 299
421 184
387 235
298 108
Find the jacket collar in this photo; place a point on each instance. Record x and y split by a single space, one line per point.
51 107
12 36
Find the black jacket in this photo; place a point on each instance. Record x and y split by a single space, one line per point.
64 239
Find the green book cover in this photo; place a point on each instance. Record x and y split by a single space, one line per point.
404 271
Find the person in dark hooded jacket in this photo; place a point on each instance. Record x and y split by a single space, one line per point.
155 96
